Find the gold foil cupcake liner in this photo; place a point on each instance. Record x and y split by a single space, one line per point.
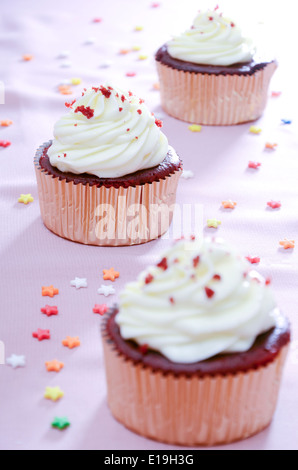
191 411
106 216
214 99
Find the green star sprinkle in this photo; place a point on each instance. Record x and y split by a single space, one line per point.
60 423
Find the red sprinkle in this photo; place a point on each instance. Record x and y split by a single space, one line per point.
49 311
163 264
41 334
143 349
86 111
268 282
196 261
123 98
141 101
65 155
274 204
172 300
120 109
254 260
130 93
254 165
107 93
233 25
158 122
75 125
4 143
139 111
69 105
193 237
127 130
210 18
149 279
217 277
209 292
100 309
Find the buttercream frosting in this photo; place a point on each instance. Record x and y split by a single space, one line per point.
202 299
108 133
212 40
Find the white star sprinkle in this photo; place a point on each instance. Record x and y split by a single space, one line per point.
106 290
187 174
64 55
78 283
66 64
90 41
16 361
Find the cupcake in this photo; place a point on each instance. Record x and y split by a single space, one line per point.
195 350
109 177
212 74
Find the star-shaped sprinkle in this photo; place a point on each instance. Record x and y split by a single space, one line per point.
139 28
156 86
78 283
90 41
213 223
255 130
71 342
41 334
60 423
229 204
63 54
66 64
25 198
76 81
27 57
106 290
97 20
286 121
49 291
275 94
6 123
195 128
270 145
253 259
287 244
53 393
100 309
49 311
155 5
136 48
254 165
143 57
54 366
124 51
65 90
187 174
16 361
274 204
130 74
110 274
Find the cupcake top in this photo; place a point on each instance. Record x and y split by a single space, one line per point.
212 40
201 300
108 133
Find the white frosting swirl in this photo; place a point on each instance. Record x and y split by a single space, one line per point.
114 136
213 40
208 301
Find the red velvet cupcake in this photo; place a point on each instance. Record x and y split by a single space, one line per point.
109 177
195 351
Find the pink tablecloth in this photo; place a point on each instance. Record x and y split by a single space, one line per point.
31 256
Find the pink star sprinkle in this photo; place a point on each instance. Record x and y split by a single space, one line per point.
275 94
254 165
100 309
41 334
274 204
4 143
130 74
49 311
253 260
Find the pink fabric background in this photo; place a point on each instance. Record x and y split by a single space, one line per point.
31 256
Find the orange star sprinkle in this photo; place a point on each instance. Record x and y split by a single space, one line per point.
124 51
229 204
54 366
110 274
6 123
156 86
27 57
270 146
287 244
71 343
65 90
49 291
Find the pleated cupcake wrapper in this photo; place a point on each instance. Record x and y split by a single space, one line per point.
191 411
214 99
106 216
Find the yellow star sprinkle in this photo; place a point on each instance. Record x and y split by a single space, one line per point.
53 393
25 198
76 81
143 57
255 130
195 128
136 48
139 28
213 223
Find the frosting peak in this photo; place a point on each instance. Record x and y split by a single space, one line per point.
108 133
212 40
201 300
